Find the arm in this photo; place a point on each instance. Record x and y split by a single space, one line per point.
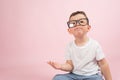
68 66
105 69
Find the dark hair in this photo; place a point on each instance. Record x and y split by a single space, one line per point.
79 12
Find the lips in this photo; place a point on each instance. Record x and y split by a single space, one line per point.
78 29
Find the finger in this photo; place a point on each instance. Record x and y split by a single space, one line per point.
50 63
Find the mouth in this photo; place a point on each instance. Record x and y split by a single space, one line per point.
78 29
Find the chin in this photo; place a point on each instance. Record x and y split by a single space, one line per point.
78 35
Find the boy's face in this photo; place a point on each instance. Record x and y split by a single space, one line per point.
78 25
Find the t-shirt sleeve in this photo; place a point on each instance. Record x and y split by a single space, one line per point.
67 53
99 53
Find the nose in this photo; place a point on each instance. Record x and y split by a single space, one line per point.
78 27
78 24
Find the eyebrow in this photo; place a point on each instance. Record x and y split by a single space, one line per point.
78 19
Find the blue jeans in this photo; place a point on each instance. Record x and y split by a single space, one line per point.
72 76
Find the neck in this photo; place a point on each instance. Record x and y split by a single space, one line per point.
81 40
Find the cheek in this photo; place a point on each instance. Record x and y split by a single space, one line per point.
87 29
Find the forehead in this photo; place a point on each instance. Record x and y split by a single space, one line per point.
77 17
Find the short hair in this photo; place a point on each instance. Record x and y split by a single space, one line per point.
79 12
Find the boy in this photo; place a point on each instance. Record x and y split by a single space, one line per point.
84 57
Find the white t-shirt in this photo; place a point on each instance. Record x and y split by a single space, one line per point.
85 58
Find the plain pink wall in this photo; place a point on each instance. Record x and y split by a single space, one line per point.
33 32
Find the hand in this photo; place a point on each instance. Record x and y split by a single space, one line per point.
55 65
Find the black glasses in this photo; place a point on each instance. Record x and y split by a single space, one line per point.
73 23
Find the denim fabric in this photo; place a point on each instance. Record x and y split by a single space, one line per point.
71 76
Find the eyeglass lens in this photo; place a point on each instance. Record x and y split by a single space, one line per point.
81 22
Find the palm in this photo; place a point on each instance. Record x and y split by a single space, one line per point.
55 65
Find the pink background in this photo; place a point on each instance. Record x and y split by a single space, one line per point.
33 32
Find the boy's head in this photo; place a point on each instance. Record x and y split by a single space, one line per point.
78 23
79 12
76 13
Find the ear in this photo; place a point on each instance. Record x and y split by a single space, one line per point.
69 31
89 27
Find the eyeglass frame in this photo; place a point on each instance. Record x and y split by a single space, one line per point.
78 21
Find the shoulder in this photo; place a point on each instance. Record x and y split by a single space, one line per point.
95 42
70 44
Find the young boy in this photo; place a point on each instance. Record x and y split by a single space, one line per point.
84 57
